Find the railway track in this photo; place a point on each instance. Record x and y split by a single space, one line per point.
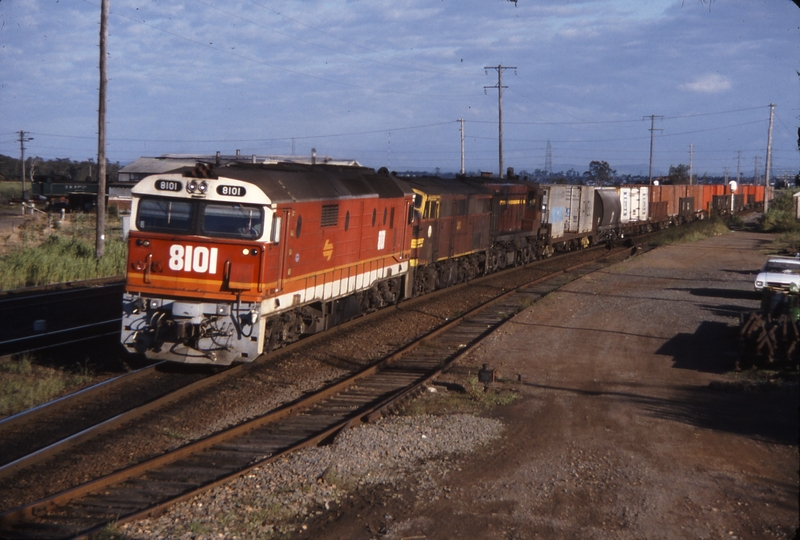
45 317
149 487
40 433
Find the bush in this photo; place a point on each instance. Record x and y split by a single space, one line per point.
780 217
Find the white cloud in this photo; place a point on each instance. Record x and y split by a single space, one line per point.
711 83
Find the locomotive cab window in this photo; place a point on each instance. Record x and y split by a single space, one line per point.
232 221
431 210
164 215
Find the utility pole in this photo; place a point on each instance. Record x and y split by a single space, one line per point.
548 158
769 158
739 167
101 136
499 87
461 121
652 118
691 157
22 140
755 171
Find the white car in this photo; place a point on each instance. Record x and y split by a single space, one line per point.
779 274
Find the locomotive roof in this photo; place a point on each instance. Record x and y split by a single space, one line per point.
291 182
433 185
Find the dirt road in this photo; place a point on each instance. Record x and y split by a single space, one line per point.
630 422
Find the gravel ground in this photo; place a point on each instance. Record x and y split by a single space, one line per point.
270 501
630 424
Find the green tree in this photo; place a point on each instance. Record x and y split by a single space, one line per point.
600 172
679 174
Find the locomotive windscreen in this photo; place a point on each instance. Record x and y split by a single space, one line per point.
232 221
164 215
218 220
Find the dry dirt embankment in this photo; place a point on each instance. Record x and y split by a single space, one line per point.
630 424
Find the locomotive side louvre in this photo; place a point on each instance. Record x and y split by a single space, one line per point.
259 256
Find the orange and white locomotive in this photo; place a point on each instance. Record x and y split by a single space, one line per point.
225 265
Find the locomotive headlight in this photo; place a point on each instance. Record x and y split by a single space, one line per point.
191 187
202 187
155 303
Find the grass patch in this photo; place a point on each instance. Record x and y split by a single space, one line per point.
467 397
692 232
172 434
43 256
9 190
23 384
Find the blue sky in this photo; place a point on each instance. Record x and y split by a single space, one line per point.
386 82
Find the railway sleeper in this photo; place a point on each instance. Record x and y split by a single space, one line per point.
390 385
118 498
281 436
196 474
202 467
230 455
256 449
174 485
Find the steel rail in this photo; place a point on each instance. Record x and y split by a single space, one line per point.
59 332
70 400
418 368
109 424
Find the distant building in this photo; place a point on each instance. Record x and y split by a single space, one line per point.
145 166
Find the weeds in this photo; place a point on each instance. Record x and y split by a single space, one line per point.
25 384
9 190
172 434
692 232
475 397
780 216
64 255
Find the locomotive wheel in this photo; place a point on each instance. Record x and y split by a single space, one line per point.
492 262
502 260
429 280
463 273
527 254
